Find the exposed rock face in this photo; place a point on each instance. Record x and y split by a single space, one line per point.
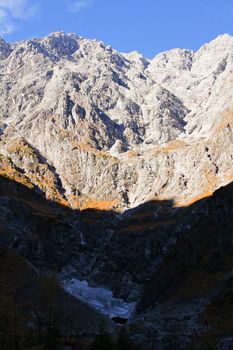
5 49
119 128
92 128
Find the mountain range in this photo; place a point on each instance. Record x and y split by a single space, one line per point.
116 170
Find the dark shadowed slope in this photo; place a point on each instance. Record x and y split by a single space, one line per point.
175 263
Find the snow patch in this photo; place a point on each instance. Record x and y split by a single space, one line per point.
99 298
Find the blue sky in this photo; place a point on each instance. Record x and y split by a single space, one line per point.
148 26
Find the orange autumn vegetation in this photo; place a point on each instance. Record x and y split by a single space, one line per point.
39 173
47 183
186 202
168 147
45 180
88 148
173 145
132 153
226 120
84 203
12 174
213 183
22 147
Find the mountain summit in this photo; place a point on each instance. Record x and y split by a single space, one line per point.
110 172
118 128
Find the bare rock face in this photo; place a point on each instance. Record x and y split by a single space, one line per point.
117 128
88 127
5 49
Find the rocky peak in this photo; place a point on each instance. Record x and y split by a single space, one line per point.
176 59
213 54
5 49
61 44
137 58
135 126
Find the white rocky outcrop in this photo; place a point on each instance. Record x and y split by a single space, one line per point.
117 126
